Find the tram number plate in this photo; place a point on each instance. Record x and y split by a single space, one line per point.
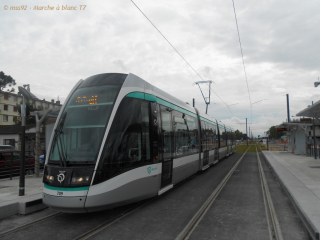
59 193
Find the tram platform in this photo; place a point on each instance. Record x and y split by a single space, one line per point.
10 201
299 176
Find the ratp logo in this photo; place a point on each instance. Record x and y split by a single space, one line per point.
150 169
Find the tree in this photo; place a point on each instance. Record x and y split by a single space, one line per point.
29 108
239 135
273 133
6 81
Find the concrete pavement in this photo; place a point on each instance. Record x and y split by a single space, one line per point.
299 176
10 201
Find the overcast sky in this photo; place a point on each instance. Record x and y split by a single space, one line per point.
52 49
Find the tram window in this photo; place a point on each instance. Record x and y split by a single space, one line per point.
228 137
185 134
128 142
166 133
123 147
211 136
204 135
223 136
145 130
193 133
86 115
181 139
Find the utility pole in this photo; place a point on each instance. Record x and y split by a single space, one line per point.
193 103
247 131
288 111
314 138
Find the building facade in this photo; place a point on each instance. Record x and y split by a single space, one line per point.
9 113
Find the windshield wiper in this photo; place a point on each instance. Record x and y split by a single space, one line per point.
58 139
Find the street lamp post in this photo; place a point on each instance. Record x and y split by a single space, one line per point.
25 94
247 131
22 155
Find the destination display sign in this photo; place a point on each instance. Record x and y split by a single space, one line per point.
281 129
87 99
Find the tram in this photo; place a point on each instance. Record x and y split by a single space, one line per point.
118 139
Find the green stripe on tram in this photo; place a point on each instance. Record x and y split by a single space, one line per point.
139 95
152 98
208 121
66 189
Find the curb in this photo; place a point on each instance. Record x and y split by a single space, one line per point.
23 206
277 167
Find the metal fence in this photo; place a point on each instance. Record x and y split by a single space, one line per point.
278 147
10 164
270 146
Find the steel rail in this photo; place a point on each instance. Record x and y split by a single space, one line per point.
28 224
193 223
272 219
113 220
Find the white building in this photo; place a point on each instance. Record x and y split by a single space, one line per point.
8 107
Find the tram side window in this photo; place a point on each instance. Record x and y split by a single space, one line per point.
166 132
203 136
215 137
145 130
229 141
223 136
181 135
128 144
185 141
193 133
232 138
211 136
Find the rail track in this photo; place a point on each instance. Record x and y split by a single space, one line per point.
272 220
29 224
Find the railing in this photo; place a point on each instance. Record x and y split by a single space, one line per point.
271 146
278 147
10 164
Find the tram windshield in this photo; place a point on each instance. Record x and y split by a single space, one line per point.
78 135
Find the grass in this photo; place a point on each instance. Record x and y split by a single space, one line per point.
241 148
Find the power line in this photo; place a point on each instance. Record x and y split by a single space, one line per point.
180 55
244 68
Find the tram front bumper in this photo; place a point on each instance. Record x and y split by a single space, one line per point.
65 204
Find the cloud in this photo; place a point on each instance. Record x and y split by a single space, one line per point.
51 51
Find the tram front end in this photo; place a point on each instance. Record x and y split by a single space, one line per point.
76 141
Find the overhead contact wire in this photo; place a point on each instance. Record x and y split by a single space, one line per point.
244 68
179 54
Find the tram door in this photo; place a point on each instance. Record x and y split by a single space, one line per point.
167 143
205 141
216 143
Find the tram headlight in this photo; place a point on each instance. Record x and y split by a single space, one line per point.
80 180
49 178
81 177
